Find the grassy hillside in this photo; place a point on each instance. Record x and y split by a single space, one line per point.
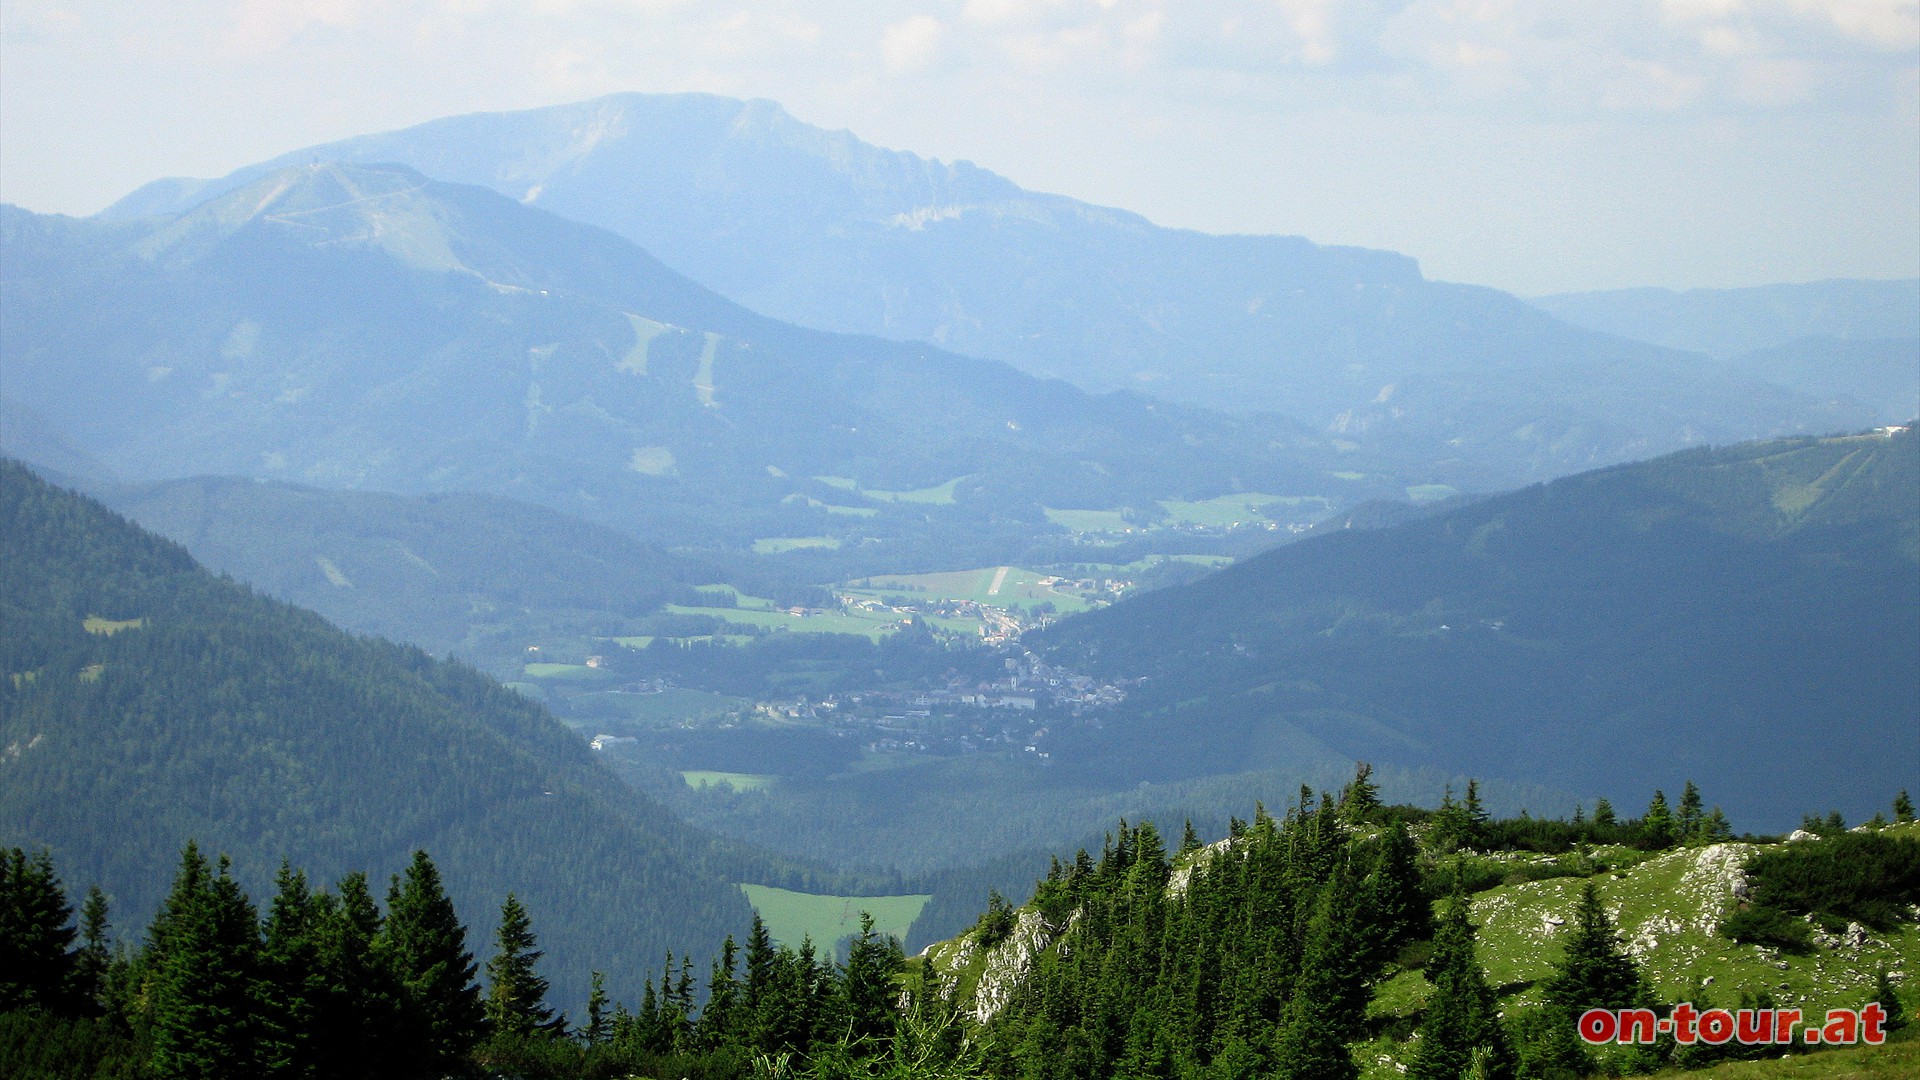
1668 909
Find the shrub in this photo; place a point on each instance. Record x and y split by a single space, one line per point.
1762 925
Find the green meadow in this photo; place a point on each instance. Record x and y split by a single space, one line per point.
792 916
738 781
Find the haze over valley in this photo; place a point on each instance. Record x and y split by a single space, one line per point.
681 518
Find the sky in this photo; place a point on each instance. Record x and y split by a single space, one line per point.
1533 145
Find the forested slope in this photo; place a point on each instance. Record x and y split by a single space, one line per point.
1747 616
145 702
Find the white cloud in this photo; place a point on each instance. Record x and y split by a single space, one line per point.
911 45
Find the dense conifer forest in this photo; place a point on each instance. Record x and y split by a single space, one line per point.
1257 955
145 702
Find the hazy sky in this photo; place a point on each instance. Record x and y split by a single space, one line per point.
1535 145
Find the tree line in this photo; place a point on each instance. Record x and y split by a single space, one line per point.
330 983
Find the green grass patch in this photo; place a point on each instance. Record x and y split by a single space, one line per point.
797 499
776 545
872 625
1088 521
1431 492
1002 586
845 483
738 781
1894 1060
558 671
791 916
938 495
94 624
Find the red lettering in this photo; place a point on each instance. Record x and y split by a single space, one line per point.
1871 1018
1716 1026
1598 1025
1843 1026
1683 1017
1638 1025
1755 1025
1783 1022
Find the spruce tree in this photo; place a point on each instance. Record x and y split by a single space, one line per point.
94 958
872 961
599 1024
516 994
1476 814
1327 1008
1603 816
424 945
1902 807
204 991
358 1019
1462 1015
35 968
1657 829
1451 828
1393 908
1361 796
720 1019
1594 972
1889 1000
292 978
1690 824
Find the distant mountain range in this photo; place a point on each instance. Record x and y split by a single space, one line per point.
1747 617
1856 340
144 702
821 229
366 327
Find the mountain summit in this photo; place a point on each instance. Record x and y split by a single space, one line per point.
821 229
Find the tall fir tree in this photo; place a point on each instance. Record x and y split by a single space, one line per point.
1594 972
357 1020
599 1022
1361 797
1902 807
35 968
292 977
204 977
720 1019
1462 1016
1327 1008
424 945
872 961
1689 824
516 994
1657 827
93 960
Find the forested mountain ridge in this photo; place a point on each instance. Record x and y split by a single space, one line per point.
821 229
146 702
462 574
1745 615
357 326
